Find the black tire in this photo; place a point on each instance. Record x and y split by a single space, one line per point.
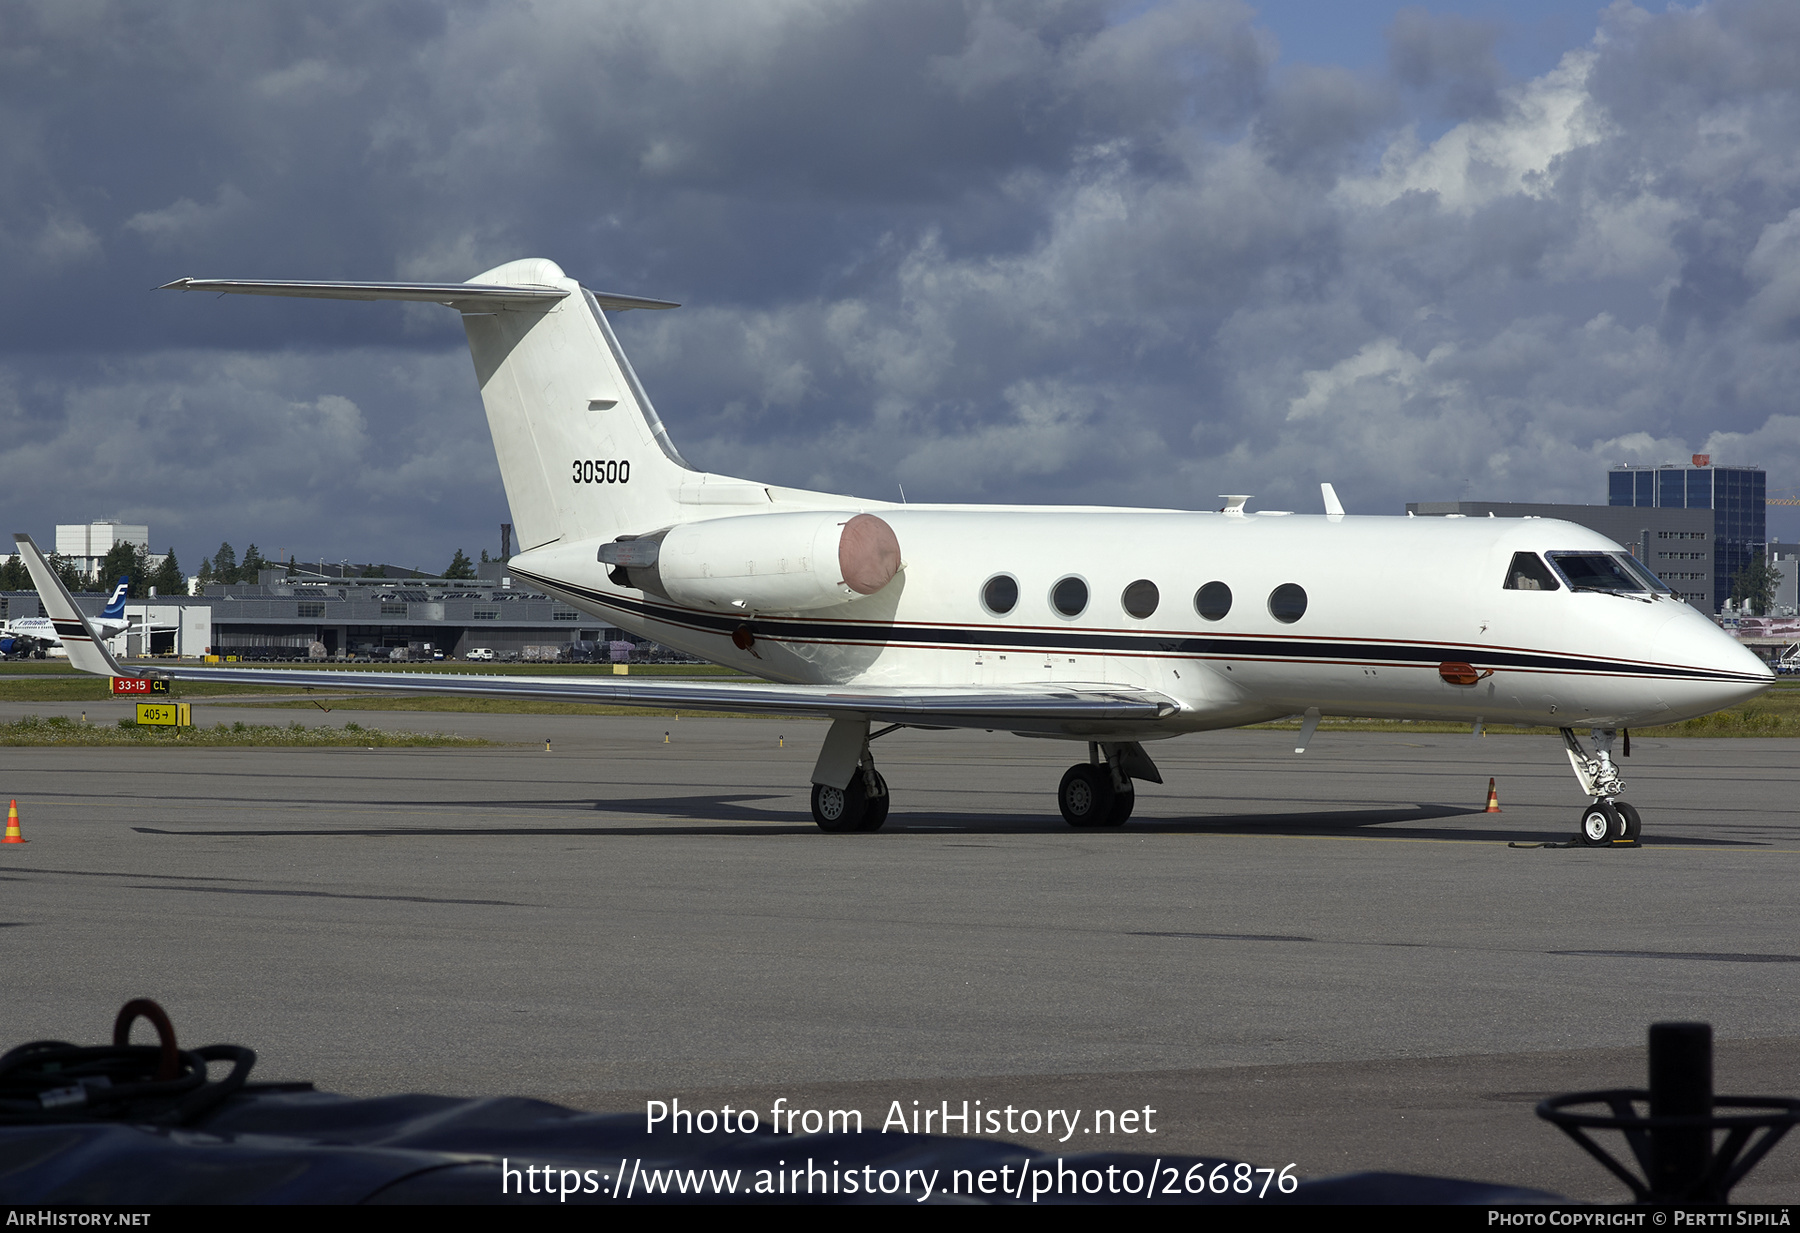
1600 825
1085 795
876 811
1628 814
839 811
1121 808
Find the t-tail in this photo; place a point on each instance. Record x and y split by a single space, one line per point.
582 452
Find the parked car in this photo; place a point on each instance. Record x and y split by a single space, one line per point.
479 652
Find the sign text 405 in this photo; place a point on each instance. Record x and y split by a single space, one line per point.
602 471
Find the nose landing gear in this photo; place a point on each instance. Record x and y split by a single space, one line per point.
1608 821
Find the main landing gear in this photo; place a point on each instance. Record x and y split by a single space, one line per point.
1608 820
1100 793
848 793
862 805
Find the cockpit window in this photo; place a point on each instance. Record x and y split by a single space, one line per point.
1529 573
1601 571
1643 571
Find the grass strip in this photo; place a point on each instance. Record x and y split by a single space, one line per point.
59 730
453 704
1771 715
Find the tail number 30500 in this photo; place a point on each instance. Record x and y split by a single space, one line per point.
602 471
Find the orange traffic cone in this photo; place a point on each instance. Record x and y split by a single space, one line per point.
1493 805
12 825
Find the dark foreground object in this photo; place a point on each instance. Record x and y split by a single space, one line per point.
311 1147
148 1124
1673 1142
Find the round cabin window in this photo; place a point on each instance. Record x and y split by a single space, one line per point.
1070 597
1140 598
1001 594
1213 601
1287 603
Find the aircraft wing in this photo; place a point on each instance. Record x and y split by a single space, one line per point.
1049 706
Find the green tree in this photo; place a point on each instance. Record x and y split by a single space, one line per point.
69 572
372 571
484 556
460 566
253 565
1753 586
168 578
224 564
125 561
14 576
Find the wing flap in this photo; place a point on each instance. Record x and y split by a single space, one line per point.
998 706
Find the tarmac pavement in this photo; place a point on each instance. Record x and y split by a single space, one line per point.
1333 959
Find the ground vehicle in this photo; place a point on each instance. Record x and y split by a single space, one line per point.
479 653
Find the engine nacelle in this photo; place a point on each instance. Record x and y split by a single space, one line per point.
764 562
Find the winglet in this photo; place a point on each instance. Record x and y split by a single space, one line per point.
1333 507
86 651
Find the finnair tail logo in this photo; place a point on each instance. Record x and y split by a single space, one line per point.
115 607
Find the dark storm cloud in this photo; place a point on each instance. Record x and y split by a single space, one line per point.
1075 251
1450 56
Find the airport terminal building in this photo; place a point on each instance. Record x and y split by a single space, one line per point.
362 618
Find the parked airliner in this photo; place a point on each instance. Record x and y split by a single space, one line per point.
1106 627
39 633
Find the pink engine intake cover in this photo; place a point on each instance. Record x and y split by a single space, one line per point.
868 554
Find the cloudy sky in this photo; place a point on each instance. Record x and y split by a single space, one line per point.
1133 253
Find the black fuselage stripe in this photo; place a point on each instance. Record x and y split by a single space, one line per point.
1232 646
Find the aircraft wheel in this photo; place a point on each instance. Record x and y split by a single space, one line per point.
1086 795
876 811
1121 808
838 811
1600 822
1633 824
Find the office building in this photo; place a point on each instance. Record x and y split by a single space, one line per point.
87 543
1735 495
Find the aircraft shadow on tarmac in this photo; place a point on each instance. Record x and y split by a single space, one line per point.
744 814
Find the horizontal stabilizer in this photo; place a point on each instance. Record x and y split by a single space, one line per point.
467 296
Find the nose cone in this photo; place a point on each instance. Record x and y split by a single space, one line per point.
1709 669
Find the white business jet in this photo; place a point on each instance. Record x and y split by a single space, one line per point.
1106 627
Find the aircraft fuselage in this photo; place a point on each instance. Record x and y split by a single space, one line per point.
1387 603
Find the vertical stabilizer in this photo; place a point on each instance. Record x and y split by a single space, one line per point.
582 452
86 652
115 607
